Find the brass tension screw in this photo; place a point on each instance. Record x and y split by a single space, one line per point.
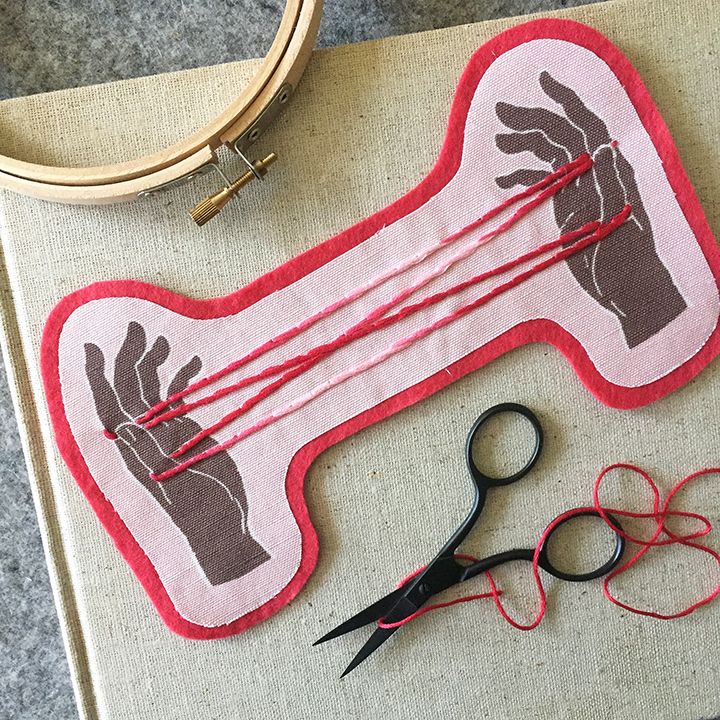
212 205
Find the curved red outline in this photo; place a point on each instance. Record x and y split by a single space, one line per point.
530 331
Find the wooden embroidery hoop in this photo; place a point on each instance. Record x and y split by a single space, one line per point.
237 127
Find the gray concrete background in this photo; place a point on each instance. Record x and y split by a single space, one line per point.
47 45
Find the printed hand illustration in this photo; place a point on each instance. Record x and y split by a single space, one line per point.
623 273
206 502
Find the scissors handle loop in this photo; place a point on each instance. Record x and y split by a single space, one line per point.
546 563
481 479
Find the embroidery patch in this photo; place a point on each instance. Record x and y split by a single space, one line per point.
558 211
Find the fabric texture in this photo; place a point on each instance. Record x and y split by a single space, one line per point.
366 127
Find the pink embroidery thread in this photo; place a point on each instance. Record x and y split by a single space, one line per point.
553 183
363 328
378 312
371 323
391 350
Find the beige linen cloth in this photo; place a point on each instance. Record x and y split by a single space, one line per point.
366 126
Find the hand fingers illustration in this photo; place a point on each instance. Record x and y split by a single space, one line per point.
594 129
556 128
208 502
521 177
147 370
183 377
535 142
611 191
126 379
624 273
106 402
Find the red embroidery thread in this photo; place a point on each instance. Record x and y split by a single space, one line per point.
604 230
358 331
659 514
547 187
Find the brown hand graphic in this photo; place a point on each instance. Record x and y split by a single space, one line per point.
623 273
206 502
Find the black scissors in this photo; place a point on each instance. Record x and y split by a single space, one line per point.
445 571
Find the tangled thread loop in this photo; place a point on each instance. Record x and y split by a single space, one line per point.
661 536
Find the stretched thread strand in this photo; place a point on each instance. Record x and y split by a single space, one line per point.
362 329
659 514
361 367
462 254
397 347
579 165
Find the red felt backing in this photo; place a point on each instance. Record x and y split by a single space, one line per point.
530 331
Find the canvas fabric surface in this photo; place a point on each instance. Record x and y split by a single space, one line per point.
366 127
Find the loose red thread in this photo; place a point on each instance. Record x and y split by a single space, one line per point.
565 174
109 434
463 310
659 514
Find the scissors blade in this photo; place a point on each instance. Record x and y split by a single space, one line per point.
403 608
369 615
373 643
